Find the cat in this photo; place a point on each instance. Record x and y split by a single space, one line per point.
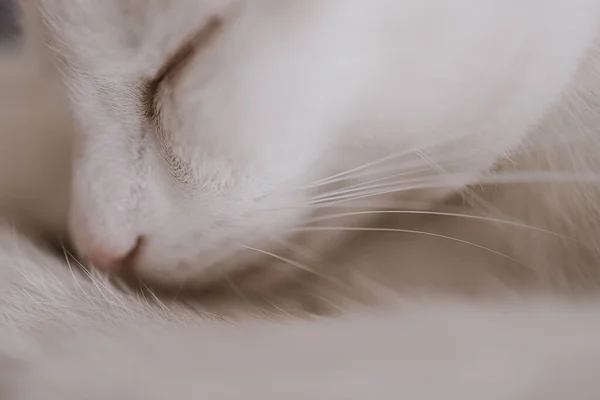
209 131
430 96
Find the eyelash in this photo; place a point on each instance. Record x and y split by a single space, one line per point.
179 169
176 62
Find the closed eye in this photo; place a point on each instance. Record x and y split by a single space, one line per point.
181 170
175 63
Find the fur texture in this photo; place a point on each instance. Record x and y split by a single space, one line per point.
189 143
65 337
473 93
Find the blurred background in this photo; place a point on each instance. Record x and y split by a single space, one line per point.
9 29
35 133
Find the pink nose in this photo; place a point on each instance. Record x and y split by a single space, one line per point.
114 262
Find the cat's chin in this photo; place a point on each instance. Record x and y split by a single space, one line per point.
244 270
250 280
247 270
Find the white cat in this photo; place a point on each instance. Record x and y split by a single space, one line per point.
211 131
207 128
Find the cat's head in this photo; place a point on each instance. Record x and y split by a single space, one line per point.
208 129
201 125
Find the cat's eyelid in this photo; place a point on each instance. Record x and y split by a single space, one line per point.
176 62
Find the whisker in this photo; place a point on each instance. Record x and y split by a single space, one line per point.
295 264
477 201
440 213
429 161
504 178
412 167
408 231
440 165
363 166
441 157
357 185
296 248
446 160
383 203
389 168
367 192
365 187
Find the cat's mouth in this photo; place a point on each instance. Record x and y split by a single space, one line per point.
248 271
252 263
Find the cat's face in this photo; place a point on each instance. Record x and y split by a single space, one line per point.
201 123
206 127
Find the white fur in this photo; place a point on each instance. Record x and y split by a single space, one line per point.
284 95
509 84
67 337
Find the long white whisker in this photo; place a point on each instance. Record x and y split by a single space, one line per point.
295 264
381 179
365 188
445 160
409 168
439 213
441 157
408 231
505 178
366 193
436 166
383 203
364 166
390 168
296 248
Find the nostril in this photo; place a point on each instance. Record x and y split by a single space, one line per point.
111 261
